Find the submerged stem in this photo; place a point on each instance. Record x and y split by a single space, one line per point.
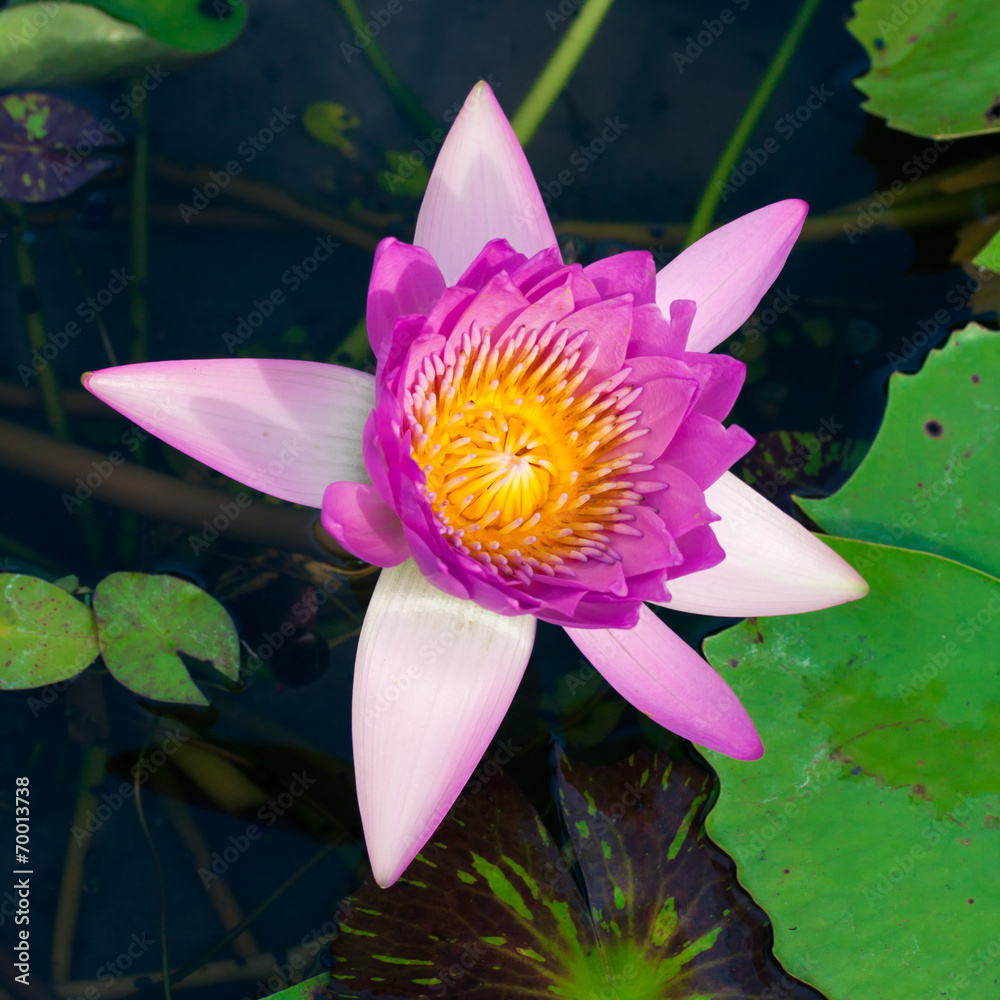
705 212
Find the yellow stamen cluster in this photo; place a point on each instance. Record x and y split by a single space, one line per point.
528 468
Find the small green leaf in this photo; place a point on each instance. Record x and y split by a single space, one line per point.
328 122
405 176
933 64
929 481
870 830
45 634
143 622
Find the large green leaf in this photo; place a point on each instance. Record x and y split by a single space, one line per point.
45 634
930 480
870 831
48 146
491 907
47 43
143 622
191 25
933 64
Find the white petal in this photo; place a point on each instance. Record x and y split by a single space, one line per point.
434 677
481 189
288 428
773 565
665 678
728 270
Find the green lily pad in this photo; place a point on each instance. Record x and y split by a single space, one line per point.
989 256
48 147
933 64
929 481
870 831
491 906
191 25
45 634
143 622
48 43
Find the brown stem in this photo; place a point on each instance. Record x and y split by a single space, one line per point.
272 198
156 495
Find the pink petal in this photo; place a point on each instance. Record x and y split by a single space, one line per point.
773 565
404 280
287 428
662 676
729 270
364 524
434 678
481 189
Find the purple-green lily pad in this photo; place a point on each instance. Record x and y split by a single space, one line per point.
45 634
143 622
491 906
48 146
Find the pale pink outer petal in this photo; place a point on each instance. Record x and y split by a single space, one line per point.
773 565
481 189
287 428
434 677
728 271
665 678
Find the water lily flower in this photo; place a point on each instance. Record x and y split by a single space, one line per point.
539 441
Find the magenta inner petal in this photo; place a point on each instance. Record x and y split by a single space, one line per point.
544 438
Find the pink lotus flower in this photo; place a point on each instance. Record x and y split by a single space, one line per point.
538 441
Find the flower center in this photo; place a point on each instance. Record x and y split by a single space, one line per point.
522 473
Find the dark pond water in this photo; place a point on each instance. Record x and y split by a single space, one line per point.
853 302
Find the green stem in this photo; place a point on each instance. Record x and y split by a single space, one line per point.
401 93
705 212
558 69
34 321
